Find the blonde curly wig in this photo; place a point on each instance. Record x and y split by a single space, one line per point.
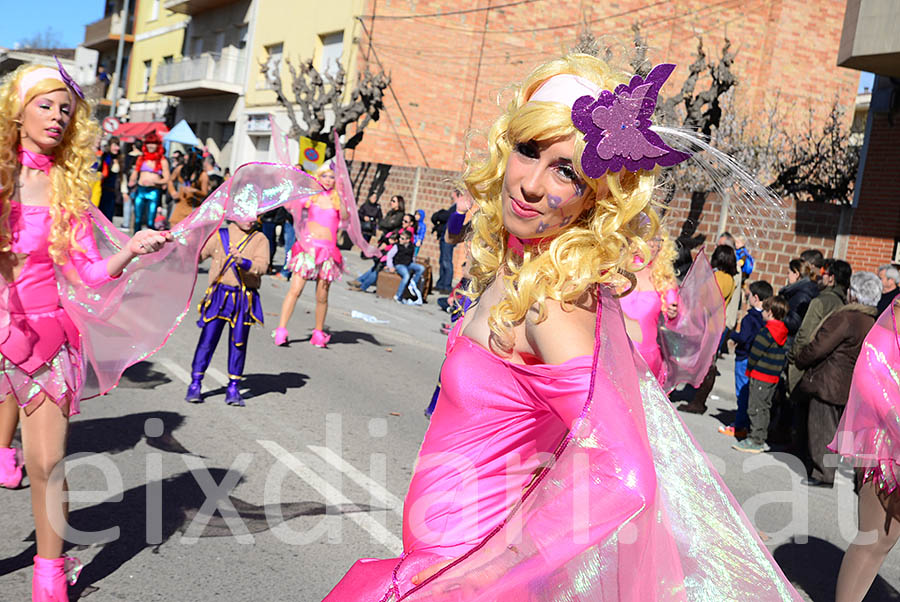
662 267
71 176
595 249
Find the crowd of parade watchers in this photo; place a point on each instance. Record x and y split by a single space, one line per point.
794 348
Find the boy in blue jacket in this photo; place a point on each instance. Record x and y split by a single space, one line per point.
752 323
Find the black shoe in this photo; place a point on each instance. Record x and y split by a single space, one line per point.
692 408
814 482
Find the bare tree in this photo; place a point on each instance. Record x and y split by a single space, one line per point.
49 38
314 93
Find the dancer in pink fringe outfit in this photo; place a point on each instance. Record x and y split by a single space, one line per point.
552 468
868 435
315 255
45 176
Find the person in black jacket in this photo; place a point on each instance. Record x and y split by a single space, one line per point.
391 221
801 289
369 216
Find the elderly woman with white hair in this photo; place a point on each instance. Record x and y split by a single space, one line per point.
828 360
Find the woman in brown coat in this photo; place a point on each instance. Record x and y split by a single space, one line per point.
189 187
828 360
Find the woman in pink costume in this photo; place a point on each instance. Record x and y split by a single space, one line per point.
46 152
868 435
315 255
552 469
654 296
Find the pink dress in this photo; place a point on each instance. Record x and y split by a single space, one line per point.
314 258
645 308
869 431
626 508
41 352
495 423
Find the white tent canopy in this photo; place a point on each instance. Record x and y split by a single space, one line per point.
182 134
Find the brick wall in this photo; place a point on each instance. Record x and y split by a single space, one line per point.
447 71
431 194
805 226
876 220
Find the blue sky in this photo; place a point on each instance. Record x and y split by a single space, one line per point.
24 18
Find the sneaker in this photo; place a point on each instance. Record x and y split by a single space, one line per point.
354 285
751 447
233 394
281 336
194 392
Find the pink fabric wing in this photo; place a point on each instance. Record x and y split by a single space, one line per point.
129 318
869 431
345 191
630 510
279 143
689 342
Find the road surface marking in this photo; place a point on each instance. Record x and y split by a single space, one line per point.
334 497
176 370
378 492
217 376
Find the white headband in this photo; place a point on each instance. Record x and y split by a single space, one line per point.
565 89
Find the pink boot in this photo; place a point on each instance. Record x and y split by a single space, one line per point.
281 336
52 578
320 339
10 467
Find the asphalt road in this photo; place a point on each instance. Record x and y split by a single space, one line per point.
311 474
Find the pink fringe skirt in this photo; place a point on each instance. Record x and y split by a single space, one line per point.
59 380
316 259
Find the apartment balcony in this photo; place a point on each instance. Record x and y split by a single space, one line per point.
204 75
103 35
192 7
869 40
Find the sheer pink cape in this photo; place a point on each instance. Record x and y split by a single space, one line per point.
129 318
869 431
344 190
585 531
689 342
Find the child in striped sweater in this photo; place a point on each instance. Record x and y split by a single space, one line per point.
767 358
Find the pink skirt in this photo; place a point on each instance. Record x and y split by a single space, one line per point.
41 359
316 259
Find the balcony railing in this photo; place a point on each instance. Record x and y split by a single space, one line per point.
105 33
204 74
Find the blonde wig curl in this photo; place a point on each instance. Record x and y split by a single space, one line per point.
594 249
662 269
71 176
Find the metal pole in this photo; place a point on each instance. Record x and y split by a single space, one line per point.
119 52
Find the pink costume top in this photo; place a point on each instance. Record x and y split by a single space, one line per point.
495 422
869 431
39 327
645 308
322 248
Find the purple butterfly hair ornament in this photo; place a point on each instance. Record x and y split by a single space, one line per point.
68 79
616 127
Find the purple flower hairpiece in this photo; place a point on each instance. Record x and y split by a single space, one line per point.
616 127
68 79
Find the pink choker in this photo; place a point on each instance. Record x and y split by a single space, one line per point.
35 160
517 245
